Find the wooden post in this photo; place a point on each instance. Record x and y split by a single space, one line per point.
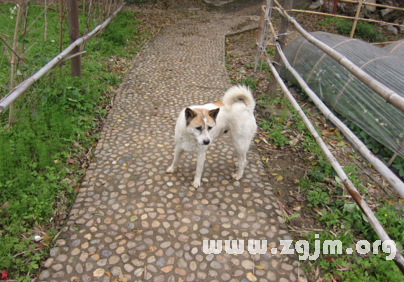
273 85
73 11
261 23
13 61
358 10
46 22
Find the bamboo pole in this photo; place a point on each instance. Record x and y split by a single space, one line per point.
378 165
377 227
261 24
358 10
374 4
25 6
19 89
272 86
13 62
390 96
60 32
343 17
109 8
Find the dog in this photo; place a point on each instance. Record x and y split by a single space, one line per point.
199 125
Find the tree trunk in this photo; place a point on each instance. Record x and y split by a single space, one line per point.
73 11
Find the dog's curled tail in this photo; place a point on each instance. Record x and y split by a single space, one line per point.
239 93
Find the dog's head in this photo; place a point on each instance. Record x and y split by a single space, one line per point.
200 122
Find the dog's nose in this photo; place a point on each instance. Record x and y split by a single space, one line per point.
206 142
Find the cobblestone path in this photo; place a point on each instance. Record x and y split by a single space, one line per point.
131 219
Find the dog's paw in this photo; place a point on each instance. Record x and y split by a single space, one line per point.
196 183
236 176
171 170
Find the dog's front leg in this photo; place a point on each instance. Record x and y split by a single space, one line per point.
199 168
177 155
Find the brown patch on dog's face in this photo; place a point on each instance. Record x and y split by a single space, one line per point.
189 115
213 114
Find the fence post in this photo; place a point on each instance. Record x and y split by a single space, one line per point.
73 11
273 85
358 11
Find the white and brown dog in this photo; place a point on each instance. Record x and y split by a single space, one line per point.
198 126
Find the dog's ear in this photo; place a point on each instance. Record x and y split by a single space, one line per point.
213 113
189 115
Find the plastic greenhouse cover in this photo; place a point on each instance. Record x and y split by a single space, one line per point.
343 92
397 48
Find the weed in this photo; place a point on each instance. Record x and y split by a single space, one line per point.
250 82
364 30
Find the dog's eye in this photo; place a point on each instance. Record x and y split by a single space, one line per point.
199 128
209 127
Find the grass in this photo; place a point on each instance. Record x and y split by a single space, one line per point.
56 123
364 30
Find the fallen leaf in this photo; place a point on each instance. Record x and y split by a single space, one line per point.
289 123
70 161
341 144
133 218
260 267
279 178
297 208
46 238
257 141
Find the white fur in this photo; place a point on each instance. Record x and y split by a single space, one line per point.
236 116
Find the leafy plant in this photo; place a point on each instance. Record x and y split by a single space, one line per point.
250 82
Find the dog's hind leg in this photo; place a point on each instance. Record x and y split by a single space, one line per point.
177 155
241 149
199 168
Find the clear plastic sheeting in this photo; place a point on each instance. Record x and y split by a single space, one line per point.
397 48
343 92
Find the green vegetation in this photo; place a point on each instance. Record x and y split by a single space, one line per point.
364 30
338 215
55 123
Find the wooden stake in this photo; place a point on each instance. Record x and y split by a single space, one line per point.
261 22
73 11
46 22
358 11
13 62
272 87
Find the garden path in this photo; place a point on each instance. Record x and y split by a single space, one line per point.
134 222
